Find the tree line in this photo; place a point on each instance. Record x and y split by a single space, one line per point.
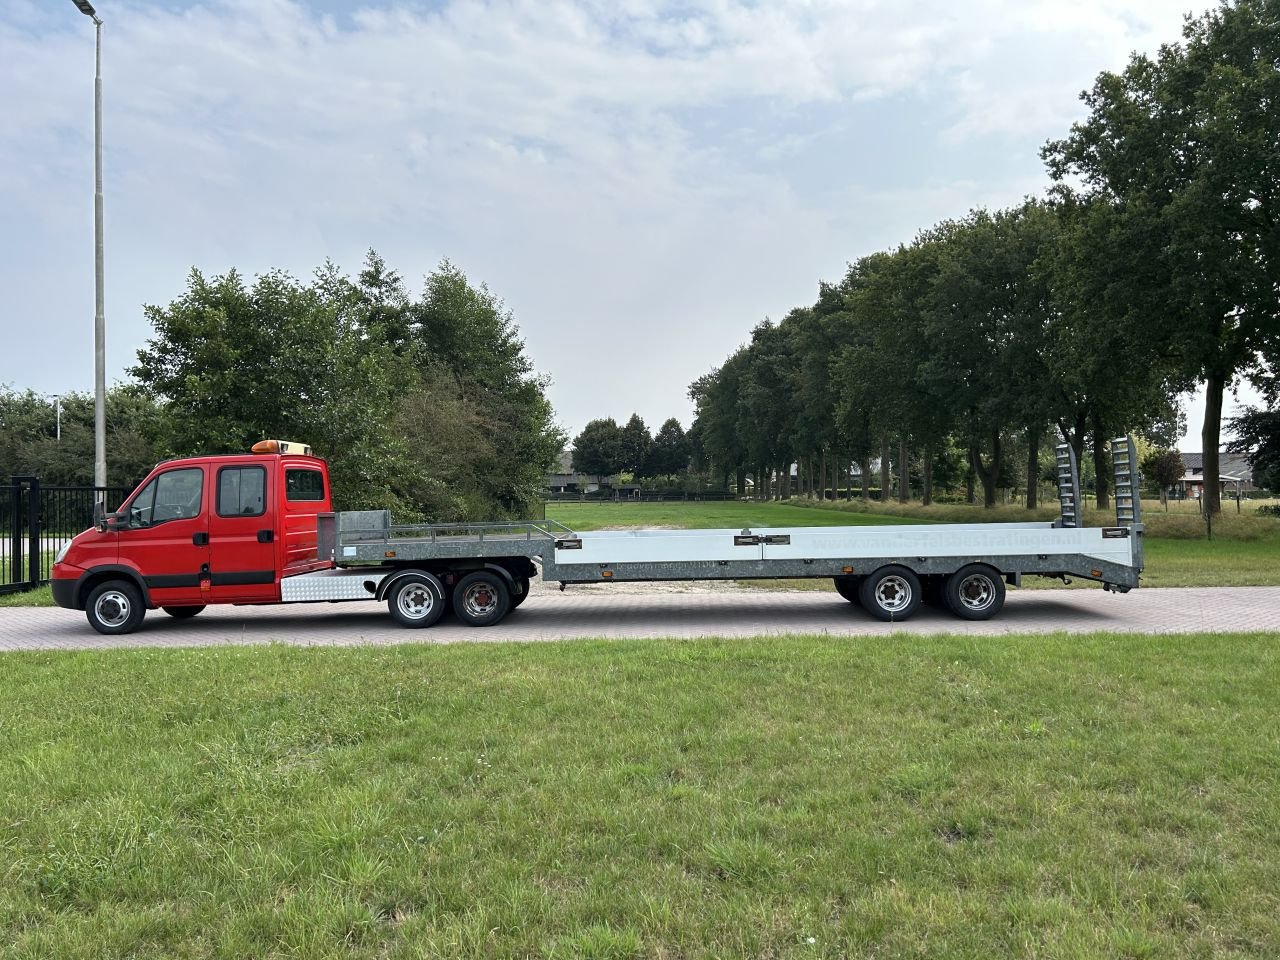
423 404
605 449
1152 265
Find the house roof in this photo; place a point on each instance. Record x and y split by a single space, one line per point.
1233 464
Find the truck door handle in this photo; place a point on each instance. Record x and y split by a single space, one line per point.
200 539
266 536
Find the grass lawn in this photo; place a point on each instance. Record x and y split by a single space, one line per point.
706 515
1049 796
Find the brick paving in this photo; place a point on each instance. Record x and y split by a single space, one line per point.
597 613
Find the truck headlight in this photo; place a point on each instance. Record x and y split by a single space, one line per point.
62 552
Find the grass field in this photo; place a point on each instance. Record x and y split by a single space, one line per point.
1049 796
1245 550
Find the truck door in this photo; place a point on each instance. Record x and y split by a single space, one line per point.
242 548
167 537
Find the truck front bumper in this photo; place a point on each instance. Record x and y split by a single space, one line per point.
64 593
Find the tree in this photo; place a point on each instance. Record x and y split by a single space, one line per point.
30 444
670 452
1163 468
1182 147
1257 435
599 448
429 408
635 445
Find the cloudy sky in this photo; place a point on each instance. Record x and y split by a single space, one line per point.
641 181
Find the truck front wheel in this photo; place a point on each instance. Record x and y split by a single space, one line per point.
416 600
891 593
481 599
114 607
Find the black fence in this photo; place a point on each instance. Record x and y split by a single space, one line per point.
35 521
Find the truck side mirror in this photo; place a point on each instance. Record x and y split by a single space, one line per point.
99 516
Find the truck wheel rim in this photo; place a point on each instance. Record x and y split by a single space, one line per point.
416 600
480 600
893 594
112 609
976 592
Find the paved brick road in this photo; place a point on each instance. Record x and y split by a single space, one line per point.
599 613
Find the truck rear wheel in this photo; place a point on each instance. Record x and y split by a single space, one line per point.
975 592
416 600
481 599
114 607
847 587
891 593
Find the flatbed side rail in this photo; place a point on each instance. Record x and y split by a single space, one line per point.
433 532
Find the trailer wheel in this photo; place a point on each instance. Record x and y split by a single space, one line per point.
975 592
182 613
114 607
891 593
522 585
416 600
481 599
847 587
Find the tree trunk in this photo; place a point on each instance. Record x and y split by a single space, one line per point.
989 475
904 472
822 476
926 497
742 481
1074 434
1033 468
1101 469
884 471
1210 436
866 477
785 492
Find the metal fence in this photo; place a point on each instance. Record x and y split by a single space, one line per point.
35 521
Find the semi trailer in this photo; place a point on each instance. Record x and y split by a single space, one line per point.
259 528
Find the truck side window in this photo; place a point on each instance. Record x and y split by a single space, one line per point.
242 491
171 496
304 484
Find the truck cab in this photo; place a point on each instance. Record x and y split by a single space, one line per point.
196 531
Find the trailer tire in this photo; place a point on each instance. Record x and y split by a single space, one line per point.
481 599
114 607
975 592
892 593
416 600
519 595
847 587
182 613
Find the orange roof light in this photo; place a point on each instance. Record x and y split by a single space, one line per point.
281 446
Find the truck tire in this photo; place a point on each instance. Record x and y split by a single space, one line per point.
416 600
182 613
891 593
847 587
521 592
481 599
114 607
975 592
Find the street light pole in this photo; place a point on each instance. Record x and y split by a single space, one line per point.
99 318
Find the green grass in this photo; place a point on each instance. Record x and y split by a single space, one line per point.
706 515
40 597
1012 796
